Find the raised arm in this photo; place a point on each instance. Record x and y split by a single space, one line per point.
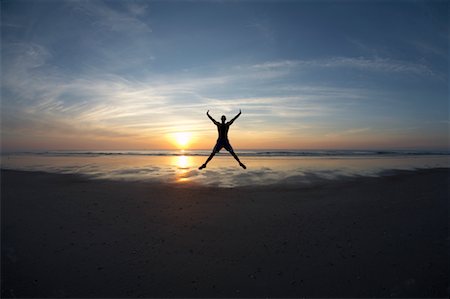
212 119
234 118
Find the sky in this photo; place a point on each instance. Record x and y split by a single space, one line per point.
98 75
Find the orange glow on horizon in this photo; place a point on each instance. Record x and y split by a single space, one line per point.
239 139
181 140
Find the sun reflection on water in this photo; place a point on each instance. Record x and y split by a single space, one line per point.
183 165
223 171
182 162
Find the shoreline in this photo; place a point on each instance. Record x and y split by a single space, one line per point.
222 171
310 180
67 235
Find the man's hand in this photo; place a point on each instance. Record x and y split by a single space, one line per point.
234 118
212 119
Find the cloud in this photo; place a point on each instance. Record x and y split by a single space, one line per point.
262 28
361 63
110 106
347 132
277 64
26 55
377 64
105 16
137 8
428 48
41 100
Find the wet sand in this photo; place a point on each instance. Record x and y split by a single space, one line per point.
68 236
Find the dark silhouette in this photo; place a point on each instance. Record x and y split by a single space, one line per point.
222 140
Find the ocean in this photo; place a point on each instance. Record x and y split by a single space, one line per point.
264 167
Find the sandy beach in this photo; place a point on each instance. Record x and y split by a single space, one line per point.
70 236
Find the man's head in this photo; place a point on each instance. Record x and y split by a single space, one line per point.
223 118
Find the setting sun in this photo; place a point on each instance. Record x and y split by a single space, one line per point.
182 139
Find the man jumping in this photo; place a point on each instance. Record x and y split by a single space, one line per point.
222 141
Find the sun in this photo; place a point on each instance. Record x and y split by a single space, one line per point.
182 139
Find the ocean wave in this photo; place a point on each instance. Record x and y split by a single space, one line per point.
244 153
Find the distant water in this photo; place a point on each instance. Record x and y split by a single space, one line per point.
292 167
246 153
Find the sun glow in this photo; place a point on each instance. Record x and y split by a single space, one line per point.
182 139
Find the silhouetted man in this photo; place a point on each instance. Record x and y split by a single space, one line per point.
222 141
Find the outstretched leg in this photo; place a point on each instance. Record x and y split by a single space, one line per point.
237 159
209 159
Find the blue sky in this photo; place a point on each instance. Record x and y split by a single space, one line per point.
306 74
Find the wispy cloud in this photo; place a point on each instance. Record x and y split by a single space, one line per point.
95 69
101 105
347 132
137 8
263 28
377 64
278 64
428 48
107 17
361 63
93 104
111 106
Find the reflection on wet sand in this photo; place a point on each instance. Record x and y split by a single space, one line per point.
222 171
183 165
